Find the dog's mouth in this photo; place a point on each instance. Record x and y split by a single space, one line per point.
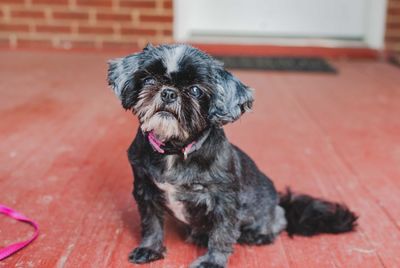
166 114
165 125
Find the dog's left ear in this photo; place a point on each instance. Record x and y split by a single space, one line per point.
231 99
120 78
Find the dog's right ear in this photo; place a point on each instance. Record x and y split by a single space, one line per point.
231 99
121 78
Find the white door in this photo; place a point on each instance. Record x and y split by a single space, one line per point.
331 19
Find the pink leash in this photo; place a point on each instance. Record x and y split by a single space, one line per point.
11 249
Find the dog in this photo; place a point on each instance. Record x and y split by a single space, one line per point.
184 165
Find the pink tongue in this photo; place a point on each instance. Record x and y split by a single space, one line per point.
154 137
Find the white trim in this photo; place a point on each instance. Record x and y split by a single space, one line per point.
275 41
375 24
181 20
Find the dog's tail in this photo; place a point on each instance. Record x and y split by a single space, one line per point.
308 216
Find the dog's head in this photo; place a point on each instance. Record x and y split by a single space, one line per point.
178 91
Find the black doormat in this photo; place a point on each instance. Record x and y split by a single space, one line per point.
395 60
297 64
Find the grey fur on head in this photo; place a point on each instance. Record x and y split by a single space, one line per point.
121 71
229 97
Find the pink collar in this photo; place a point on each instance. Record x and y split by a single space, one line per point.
190 148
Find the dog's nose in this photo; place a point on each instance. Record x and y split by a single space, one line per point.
168 95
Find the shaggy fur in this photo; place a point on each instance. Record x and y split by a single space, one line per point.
182 95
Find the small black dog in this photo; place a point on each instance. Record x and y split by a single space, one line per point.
184 164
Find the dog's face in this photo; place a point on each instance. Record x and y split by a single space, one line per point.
177 91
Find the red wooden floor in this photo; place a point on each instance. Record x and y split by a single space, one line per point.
63 141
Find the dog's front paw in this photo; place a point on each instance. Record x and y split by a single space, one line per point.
206 264
144 255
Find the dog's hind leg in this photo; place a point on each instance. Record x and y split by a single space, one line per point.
198 238
264 229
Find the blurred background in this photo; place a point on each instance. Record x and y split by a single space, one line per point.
325 122
367 25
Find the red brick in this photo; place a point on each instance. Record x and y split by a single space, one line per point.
72 44
137 4
167 32
137 31
393 32
27 14
12 1
156 18
392 39
94 3
14 28
4 42
95 30
120 46
83 44
53 29
393 25
28 43
113 17
167 4
394 11
50 2
393 4
70 15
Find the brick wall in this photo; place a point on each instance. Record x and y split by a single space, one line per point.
103 24
392 38
67 24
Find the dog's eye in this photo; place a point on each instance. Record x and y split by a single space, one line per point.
195 91
149 81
